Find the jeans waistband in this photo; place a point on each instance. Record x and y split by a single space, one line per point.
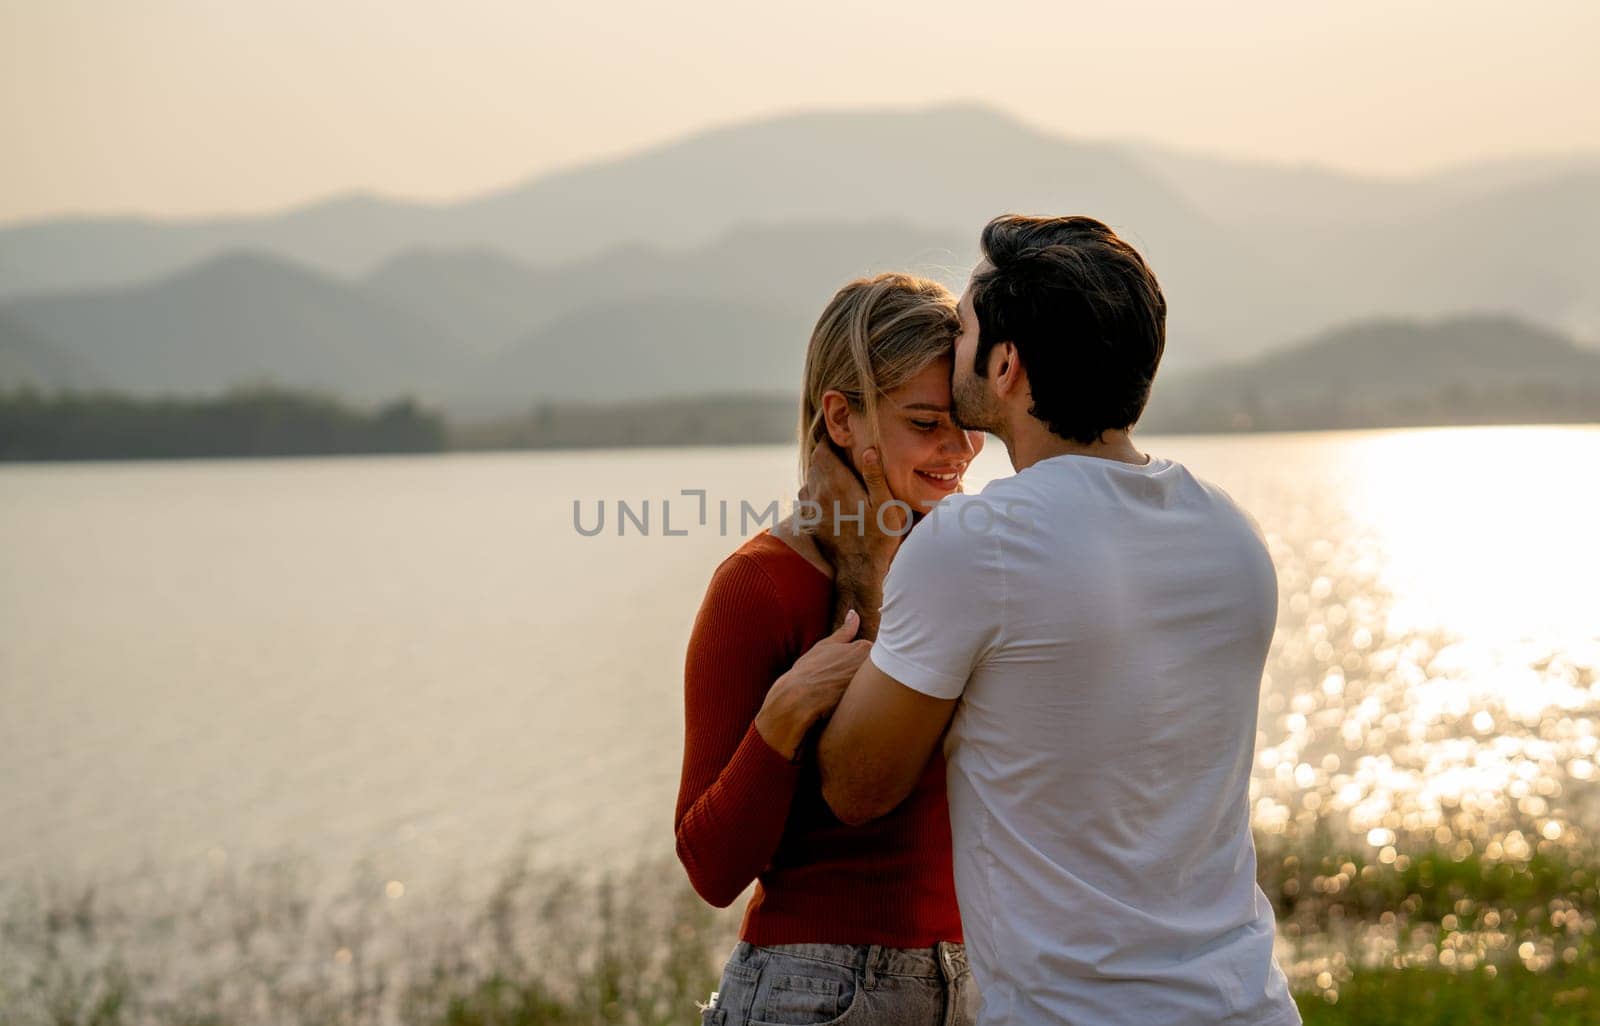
944 961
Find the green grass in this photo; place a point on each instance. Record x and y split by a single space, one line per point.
1431 997
1426 885
1437 938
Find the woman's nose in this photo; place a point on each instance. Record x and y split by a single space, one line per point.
960 443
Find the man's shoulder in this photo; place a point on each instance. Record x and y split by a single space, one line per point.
996 497
1224 504
960 522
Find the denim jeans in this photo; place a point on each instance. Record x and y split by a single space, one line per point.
835 984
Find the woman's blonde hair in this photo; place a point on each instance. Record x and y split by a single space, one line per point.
873 336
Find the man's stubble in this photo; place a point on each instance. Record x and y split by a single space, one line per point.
973 405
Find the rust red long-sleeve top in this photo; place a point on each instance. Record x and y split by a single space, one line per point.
746 813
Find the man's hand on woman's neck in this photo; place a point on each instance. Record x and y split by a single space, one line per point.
861 541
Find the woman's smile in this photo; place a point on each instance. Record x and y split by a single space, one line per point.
946 479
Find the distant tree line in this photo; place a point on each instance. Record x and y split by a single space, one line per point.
1198 411
1188 407
701 420
247 421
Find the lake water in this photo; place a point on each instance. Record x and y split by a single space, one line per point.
419 661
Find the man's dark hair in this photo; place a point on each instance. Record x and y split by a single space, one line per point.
1085 313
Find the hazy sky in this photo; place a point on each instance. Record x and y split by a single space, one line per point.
196 106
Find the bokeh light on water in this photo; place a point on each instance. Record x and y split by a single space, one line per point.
1432 688
1433 678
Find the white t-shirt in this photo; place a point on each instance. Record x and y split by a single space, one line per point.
1105 626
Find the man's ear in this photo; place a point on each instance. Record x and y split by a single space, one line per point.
836 416
1005 370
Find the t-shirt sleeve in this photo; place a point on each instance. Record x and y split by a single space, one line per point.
943 601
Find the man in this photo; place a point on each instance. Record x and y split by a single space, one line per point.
1096 625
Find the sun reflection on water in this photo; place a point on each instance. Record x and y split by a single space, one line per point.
1487 533
1433 683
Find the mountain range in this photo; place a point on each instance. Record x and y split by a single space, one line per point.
699 266
1390 372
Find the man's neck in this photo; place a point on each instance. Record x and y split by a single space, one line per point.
1029 444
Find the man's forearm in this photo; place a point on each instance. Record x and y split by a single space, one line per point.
858 585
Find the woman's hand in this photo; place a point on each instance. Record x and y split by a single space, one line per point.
811 689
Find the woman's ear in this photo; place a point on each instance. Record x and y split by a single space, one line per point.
836 416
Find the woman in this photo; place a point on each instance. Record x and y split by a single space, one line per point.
846 923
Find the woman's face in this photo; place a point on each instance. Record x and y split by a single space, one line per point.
924 453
